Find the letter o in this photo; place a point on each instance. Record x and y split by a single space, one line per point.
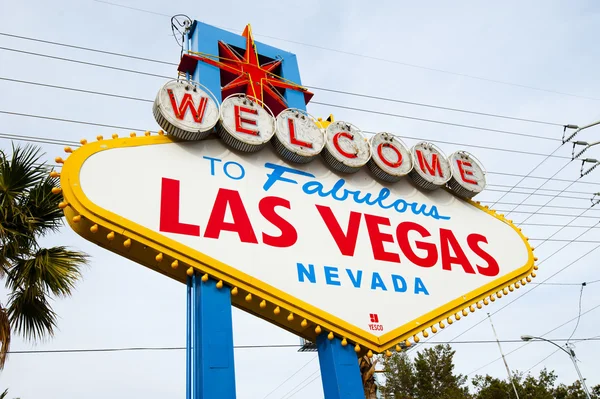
242 172
391 160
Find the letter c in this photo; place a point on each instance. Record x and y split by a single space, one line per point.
336 144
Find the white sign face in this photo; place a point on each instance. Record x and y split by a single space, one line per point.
370 258
186 110
246 125
298 138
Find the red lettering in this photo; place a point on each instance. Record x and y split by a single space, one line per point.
169 210
448 241
239 119
429 168
288 236
402 235
188 103
465 172
378 238
241 223
492 268
380 148
293 139
346 242
336 144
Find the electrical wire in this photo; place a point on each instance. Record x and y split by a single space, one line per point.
466 111
540 189
348 93
578 312
370 111
538 285
541 361
316 375
272 346
74 143
290 377
378 58
529 342
480 128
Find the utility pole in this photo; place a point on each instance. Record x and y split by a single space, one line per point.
510 377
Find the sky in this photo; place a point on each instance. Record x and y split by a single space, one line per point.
532 60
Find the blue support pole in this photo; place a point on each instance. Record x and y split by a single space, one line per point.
188 341
212 365
340 372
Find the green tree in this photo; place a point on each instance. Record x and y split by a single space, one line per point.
529 387
33 275
429 376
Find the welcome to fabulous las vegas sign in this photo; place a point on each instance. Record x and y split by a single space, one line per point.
312 226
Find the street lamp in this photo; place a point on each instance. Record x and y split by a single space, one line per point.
569 352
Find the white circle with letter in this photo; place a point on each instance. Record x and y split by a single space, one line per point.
246 124
431 168
390 158
186 109
298 138
468 175
347 149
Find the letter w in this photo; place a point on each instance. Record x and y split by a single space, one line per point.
188 102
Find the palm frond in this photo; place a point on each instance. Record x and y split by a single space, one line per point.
53 270
20 172
41 207
30 314
4 394
4 337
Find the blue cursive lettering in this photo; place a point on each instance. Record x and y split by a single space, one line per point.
339 193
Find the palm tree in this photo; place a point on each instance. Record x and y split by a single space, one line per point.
32 274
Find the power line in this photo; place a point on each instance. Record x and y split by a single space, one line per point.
74 143
540 189
578 312
535 286
307 384
38 40
506 211
436 121
541 361
539 177
559 225
527 343
348 93
290 377
538 194
139 349
130 128
545 205
378 58
87 63
317 374
353 94
481 128
279 346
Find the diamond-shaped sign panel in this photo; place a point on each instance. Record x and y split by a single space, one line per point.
304 247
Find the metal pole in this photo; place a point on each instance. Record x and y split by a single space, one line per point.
571 353
510 378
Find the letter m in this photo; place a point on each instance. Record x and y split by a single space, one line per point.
188 102
427 167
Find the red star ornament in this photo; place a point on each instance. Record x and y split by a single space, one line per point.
245 74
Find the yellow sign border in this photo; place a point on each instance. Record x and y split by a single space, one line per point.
167 256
